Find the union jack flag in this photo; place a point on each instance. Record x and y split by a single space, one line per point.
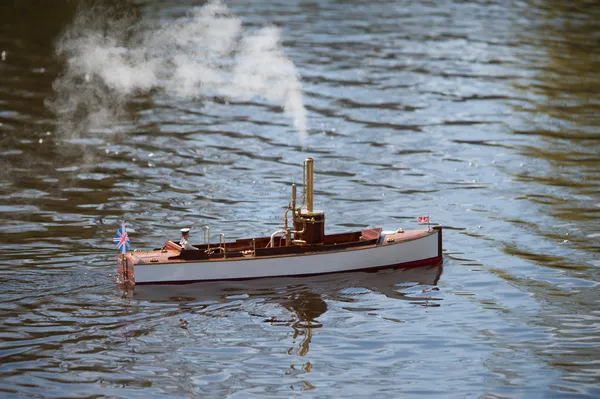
423 219
121 239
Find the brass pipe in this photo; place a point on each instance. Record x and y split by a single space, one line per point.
286 227
300 232
309 163
303 189
293 209
294 196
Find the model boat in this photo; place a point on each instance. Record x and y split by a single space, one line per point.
299 248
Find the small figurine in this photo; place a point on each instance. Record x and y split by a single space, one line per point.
185 234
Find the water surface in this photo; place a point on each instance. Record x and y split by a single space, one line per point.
483 115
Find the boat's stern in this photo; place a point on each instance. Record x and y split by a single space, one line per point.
127 263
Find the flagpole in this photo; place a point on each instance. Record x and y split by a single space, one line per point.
123 255
428 223
124 247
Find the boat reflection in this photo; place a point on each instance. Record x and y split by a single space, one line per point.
304 298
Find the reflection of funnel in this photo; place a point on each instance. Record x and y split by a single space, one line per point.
304 344
307 306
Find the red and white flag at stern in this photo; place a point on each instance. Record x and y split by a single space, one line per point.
422 219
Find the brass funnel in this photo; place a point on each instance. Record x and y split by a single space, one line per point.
308 173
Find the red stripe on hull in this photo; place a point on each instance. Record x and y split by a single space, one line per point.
407 265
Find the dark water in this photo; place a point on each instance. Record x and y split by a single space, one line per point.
484 115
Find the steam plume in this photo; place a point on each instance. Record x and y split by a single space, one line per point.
206 53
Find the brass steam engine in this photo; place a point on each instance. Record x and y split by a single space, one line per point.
308 223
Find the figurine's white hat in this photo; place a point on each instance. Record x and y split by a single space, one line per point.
185 230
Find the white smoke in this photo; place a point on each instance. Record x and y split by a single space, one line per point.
206 53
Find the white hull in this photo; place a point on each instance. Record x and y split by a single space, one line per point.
422 249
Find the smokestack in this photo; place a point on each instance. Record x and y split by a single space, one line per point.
308 169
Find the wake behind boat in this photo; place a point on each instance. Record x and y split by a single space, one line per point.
298 249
